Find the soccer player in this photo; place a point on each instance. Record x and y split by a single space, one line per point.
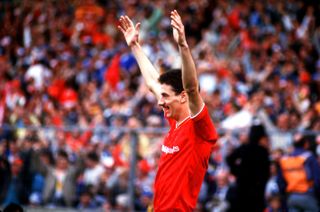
187 147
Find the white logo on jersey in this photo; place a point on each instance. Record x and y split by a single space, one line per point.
169 150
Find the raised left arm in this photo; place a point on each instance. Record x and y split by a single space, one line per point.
189 73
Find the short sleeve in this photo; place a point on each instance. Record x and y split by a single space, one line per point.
204 126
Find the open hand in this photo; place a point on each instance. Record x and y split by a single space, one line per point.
178 29
130 32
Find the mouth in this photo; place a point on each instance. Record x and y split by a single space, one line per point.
165 108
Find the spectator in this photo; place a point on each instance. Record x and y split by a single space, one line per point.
274 204
60 180
299 177
19 175
272 187
93 170
5 177
219 201
16 188
86 201
249 163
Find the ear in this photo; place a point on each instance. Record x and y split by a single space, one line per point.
183 97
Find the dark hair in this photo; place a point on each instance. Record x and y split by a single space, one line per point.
173 78
13 207
306 139
299 143
256 133
63 154
93 156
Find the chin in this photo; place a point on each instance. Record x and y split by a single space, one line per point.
167 114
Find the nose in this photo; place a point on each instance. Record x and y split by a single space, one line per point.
161 102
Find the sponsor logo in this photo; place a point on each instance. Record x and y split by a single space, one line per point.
169 150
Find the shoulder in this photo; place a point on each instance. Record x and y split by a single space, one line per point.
203 113
310 158
306 154
204 126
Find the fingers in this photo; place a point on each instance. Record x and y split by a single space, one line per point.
138 26
125 23
121 29
121 25
175 16
175 13
128 21
175 25
176 21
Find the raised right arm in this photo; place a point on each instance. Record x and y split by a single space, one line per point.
148 71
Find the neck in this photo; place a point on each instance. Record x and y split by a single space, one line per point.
182 117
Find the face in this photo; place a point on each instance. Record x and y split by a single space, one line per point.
170 102
62 163
89 163
222 179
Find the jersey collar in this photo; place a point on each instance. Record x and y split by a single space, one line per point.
178 124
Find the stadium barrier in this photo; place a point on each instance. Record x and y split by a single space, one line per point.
134 132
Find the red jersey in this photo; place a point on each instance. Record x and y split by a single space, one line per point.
183 163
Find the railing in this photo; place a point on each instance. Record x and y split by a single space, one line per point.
75 128
134 132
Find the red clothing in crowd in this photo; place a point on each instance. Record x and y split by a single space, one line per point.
183 163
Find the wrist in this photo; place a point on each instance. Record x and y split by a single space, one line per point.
184 45
134 45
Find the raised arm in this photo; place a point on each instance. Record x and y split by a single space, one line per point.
148 71
189 73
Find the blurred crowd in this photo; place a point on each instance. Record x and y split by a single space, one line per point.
69 83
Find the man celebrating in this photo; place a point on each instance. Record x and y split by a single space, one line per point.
188 145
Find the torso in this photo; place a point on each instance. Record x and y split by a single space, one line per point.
183 163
